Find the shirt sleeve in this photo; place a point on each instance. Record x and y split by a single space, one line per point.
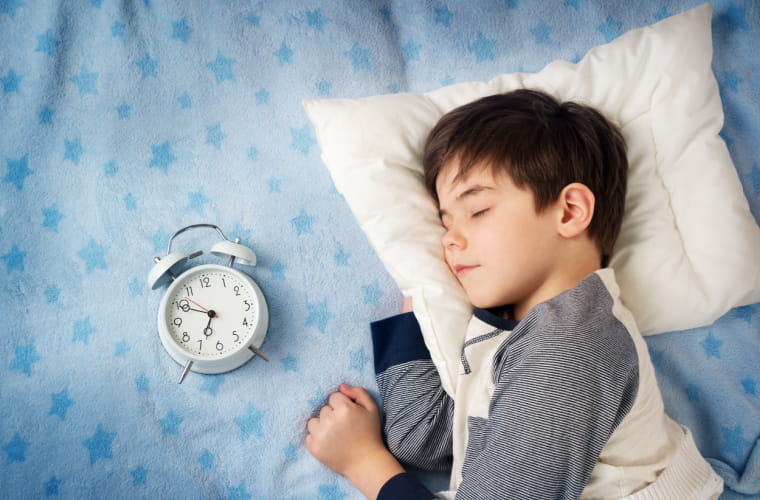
404 486
418 412
554 407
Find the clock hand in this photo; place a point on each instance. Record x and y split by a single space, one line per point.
209 312
208 331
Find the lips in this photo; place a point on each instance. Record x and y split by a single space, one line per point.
462 269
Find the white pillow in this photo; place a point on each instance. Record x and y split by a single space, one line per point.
689 247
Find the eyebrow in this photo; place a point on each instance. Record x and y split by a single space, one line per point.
469 192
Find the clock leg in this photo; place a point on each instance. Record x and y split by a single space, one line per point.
185 371
258 352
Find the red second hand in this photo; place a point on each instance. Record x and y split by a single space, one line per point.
204 309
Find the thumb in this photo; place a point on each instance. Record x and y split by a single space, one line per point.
358 395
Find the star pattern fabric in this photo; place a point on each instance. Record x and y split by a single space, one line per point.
121 122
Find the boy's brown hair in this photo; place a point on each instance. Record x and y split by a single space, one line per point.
543 145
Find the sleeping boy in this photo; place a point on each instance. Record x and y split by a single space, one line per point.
556 394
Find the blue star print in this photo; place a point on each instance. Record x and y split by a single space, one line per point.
148 66
73 150
16 449
731 81
542 32
319 315
750 386
274 184
745 313
660 14
411 50
303 222
83 329
734 442
136 287
52 217
482 48
610 28
290 363
250 423
443 16
14 260
341 258
26 356
571 3
222 68
10 6
185 102
99 445
61 404
124 111
262 96
162 156
170 424
253 19
215 136
197 202
130 202
316 19
291 453
323 88
284 54
238 493
52 486
180 30
359 360
206 460
372 293
93 255
359 57
734 18
139 476
117 29
110 168
211 384
18 171
122 349
11 82
278 271
711 345
47 43
143 383
86 82
46 116
52 293
302 140
331 492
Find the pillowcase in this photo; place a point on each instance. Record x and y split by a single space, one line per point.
688 246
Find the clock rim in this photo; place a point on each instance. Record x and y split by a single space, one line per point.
231 360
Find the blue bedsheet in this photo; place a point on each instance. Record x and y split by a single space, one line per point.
121 122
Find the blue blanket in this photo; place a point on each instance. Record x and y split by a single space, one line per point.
121 122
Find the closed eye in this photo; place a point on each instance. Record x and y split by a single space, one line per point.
479 213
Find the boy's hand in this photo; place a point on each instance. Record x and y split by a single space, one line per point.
347 438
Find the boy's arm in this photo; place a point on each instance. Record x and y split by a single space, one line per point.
418 412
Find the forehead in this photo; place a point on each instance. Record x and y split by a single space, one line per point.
451 177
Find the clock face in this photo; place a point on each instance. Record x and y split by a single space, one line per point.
212 311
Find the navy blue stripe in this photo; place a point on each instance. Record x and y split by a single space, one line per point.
397 340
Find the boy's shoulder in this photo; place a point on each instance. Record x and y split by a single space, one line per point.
580 322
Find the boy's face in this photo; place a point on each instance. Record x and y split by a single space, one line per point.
499 248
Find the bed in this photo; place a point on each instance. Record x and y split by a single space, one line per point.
123 122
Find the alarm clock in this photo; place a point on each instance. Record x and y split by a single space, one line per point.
212 318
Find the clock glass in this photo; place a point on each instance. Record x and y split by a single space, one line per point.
212 312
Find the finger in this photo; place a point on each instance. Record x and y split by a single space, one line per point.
311 426
359 395
338 399
325 411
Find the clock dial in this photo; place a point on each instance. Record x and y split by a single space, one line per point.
211 313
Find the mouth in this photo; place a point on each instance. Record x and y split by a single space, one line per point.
462 269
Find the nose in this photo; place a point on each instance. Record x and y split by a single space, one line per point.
453 238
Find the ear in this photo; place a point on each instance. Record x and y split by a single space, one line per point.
576 204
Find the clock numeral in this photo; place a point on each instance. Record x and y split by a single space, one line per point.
219 346
185 337
247 305
237 337
245 321
189 291
177 321
236 288
224 283
200 345
183 305
205 281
